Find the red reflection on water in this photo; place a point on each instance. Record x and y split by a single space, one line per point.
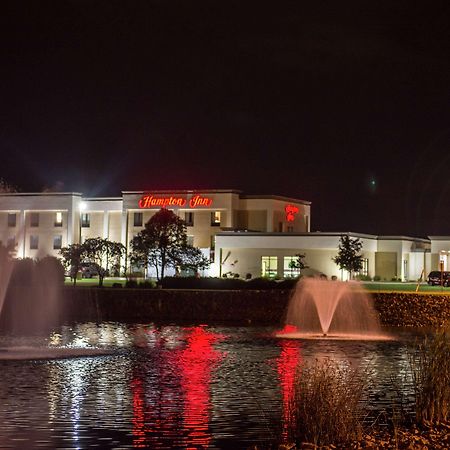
197 361
287 364
175 404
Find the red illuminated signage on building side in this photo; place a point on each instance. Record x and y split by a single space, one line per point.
150 201
291 211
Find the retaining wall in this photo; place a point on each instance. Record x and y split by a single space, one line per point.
264 307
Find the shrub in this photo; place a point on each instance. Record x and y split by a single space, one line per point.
431 377
131 284
364 278
147 284
377 278
329 401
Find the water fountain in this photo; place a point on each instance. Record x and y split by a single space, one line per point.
323 309
30 310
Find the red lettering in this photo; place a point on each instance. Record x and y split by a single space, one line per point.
291 211
198 200
149 201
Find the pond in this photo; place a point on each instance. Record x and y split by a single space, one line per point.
173 386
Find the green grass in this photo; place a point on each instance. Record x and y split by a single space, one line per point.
371 287
404 287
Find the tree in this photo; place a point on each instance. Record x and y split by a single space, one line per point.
299 262
72 257
163 243
6 188
191 258
348 257
103 255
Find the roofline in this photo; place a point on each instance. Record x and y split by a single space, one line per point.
35 194
275 197
184 191
323 234
439 238
101 199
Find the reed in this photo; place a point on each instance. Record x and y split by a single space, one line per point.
329 402
430 366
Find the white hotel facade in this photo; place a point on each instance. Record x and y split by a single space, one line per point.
243 234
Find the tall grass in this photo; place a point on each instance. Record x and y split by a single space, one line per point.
431 376
329 402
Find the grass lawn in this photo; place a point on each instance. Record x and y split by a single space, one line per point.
370 286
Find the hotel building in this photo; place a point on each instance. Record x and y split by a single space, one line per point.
242 234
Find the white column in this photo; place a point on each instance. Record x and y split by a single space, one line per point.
21 235
105 224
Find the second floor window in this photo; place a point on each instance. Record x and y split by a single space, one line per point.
85 220
57 242
189 218
137 219
34 220
12 220
58 219
215 219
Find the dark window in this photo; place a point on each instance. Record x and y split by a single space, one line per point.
280 227
34 220
12 220
57 242
34 242
85 220
137 220
189 219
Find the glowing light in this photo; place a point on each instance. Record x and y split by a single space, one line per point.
83 206
291 211
150 201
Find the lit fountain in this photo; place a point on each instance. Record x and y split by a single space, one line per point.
323 309
30 301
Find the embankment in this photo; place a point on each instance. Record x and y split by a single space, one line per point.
245 306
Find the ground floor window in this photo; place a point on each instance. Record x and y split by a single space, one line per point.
365 267
289 270
269 266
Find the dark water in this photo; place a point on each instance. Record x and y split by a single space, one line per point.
173 386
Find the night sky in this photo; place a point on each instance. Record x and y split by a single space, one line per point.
345 104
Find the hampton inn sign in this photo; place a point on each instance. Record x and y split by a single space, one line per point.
151 201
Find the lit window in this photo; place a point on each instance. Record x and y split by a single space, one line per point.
269 266
57 242
58 219
34 242
138 219
12 220
85 220
365 267
34 220
215 218
189 219
289 269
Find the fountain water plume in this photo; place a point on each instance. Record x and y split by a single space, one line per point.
332 309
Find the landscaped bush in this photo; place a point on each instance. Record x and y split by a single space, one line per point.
431 375
377 278
329 403
363 278
226 283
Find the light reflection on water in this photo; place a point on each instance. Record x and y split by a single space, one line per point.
172 386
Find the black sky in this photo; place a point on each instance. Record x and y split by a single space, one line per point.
315 100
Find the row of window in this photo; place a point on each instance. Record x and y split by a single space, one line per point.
138 219
188 218
34 242
269 266
34 219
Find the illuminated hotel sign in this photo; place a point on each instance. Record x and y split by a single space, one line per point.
151 201
291 211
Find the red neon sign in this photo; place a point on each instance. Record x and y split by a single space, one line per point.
291 211
150 201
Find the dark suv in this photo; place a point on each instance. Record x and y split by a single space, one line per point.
434 278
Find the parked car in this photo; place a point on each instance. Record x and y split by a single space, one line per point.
434 278
88 270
